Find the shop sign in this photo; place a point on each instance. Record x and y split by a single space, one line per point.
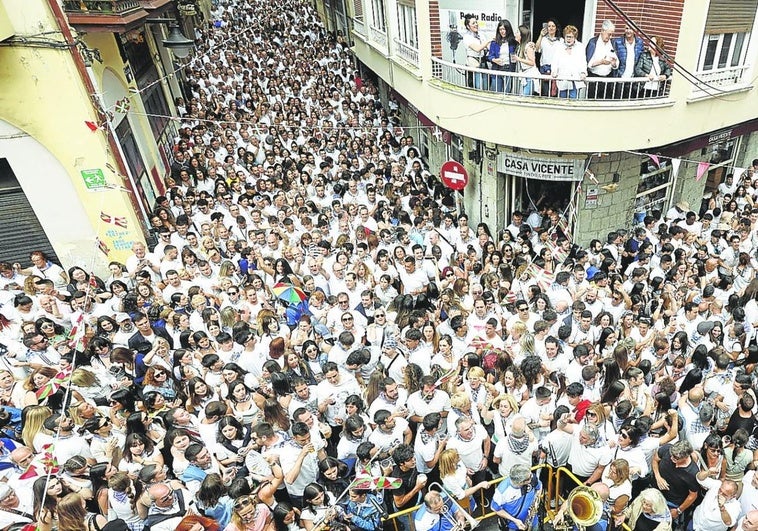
546 169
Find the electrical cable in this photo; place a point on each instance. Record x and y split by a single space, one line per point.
689 76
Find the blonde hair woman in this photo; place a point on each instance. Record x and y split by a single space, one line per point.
504 410
460 406
455 479
619 484
597 416
33 419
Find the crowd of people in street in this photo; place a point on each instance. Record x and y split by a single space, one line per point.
315 336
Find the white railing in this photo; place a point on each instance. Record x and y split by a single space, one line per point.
378 35
359 27
721 77
546 87
409 53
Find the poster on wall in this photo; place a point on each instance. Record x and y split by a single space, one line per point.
452 13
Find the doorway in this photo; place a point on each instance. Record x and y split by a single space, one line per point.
20 230
564 11
523 194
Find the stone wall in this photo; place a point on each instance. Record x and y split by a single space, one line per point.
615 208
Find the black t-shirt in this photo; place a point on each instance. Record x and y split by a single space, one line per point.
681 480
645 524
409 482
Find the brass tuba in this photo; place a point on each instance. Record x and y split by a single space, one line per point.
585 507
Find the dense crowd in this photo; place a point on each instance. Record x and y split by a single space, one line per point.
315 337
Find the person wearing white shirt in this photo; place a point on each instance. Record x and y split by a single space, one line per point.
720 508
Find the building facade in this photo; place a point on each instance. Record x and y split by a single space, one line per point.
606 159
85 128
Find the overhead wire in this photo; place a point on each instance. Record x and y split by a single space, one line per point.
691 78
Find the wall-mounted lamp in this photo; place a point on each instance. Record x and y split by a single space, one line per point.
616 177
176 41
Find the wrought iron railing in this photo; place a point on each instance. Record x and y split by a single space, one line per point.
105 7
721 77
546 87
407 52
378 36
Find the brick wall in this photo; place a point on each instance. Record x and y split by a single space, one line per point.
434 26
655 17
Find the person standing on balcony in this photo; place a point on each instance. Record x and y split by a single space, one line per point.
570 66
548 45
475 46
628 48
602 61
653 67
502 47
526 60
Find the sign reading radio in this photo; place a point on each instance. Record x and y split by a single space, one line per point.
553 169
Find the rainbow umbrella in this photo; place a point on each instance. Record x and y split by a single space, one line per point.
288 293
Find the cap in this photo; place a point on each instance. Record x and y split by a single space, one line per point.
5 491
704 328
389 342
121 316
683 205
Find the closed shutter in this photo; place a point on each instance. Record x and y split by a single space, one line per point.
358 8
730 16
20 230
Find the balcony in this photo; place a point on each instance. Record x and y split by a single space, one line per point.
614 92
378 37
716 82
104 16
406 52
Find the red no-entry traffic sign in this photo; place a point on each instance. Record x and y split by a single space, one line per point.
454 175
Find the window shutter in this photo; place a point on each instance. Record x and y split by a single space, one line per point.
730 16
358 9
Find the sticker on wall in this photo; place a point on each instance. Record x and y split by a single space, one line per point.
94 178
118 221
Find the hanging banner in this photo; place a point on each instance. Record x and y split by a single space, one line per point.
545 169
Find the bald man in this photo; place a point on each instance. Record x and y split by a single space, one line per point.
720 508
749 522
168 507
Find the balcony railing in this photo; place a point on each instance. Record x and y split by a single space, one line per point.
359 27
546 87
409 53
722 77
378 36
101 7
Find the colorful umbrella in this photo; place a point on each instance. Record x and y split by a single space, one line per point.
288 293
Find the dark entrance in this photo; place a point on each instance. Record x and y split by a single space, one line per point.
20 230
564 11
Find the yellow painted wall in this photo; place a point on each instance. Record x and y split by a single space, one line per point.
43 95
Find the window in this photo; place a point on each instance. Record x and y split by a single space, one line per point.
653 190
423 141
725 50
406 22
456 148
377 15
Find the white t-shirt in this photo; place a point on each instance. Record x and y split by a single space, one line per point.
471 452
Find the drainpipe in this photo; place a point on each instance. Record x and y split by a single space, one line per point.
86 78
